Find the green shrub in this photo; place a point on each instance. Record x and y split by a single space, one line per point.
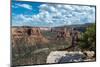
88 38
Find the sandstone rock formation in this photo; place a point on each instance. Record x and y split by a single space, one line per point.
65 56
27 34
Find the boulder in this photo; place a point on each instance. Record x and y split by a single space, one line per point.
65 56
89 54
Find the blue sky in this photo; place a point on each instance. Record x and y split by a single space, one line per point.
46 14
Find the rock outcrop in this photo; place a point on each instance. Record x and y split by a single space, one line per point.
27 34
65 56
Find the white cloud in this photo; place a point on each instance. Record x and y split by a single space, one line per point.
27 6
66 14
21 20
55 15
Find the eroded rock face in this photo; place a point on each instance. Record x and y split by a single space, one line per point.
27 34
20 32
65 56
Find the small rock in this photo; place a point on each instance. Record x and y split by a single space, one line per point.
89 54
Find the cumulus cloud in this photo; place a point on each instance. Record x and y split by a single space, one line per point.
21 20
27 6
57 15
66 14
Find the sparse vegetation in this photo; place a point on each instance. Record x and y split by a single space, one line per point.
28 50
88 38
24 52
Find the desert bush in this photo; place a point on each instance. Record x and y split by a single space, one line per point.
22 49
88 38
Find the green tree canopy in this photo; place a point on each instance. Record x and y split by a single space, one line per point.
88 38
